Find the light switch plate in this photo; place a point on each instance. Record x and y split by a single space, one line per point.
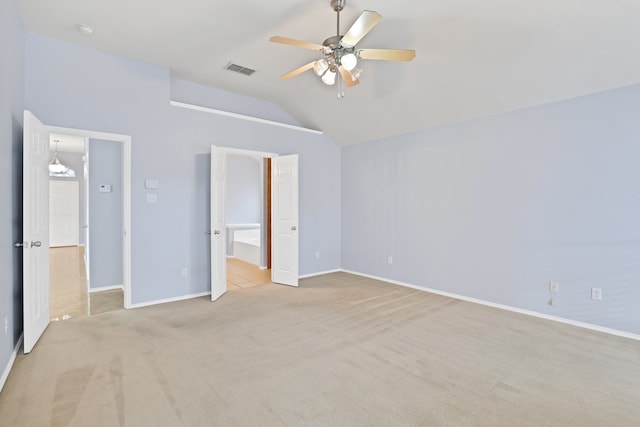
151 184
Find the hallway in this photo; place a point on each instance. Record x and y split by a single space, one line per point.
68 287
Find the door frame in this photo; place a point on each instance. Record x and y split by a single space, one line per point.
261 155
255 154
125 140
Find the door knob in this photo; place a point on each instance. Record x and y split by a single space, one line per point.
216 232
37 243
19 244
293 228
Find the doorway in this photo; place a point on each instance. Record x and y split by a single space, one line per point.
67 278
282 181
35 221
246 196
86 269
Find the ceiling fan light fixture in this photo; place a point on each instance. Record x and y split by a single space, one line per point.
341 56
329 78
349 61
320 66
355 73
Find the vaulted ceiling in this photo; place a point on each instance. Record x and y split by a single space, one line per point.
474 58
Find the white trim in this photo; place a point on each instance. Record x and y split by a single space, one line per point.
106 288
506 307
249 153
12 359
174 299
306 276
242 117
236 226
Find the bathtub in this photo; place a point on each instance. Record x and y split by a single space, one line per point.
246 245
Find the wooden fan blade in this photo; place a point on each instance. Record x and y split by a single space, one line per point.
347 78
365 23
387 54
293 42
297 71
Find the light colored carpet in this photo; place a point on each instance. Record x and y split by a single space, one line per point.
102 302
340 350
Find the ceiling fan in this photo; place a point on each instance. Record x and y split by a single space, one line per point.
340 52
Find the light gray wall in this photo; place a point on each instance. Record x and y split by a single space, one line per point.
105 214
497 208
11 112
75 162
182 91
243 190
109 93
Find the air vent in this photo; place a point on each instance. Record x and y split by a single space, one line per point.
239 69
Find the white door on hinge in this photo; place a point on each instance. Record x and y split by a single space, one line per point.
284 217
35 230
218 224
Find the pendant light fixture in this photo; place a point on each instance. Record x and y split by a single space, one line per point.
57 168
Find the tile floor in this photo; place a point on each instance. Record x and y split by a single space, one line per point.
68 283
69 297
241 275
68 287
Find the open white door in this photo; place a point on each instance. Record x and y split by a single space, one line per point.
35 230
218 224
284 217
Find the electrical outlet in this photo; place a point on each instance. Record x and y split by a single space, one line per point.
6 325
184 272
390 260
554 287
596 294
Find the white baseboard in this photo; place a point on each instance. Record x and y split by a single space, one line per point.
106 288
306 276
7 369
164 301
505 307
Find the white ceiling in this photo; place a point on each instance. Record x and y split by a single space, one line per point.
474 58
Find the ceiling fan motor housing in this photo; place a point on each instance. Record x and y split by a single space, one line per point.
332 42
338 5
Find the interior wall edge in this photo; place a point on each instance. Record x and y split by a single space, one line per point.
531 313
168 300
320 273
12 359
